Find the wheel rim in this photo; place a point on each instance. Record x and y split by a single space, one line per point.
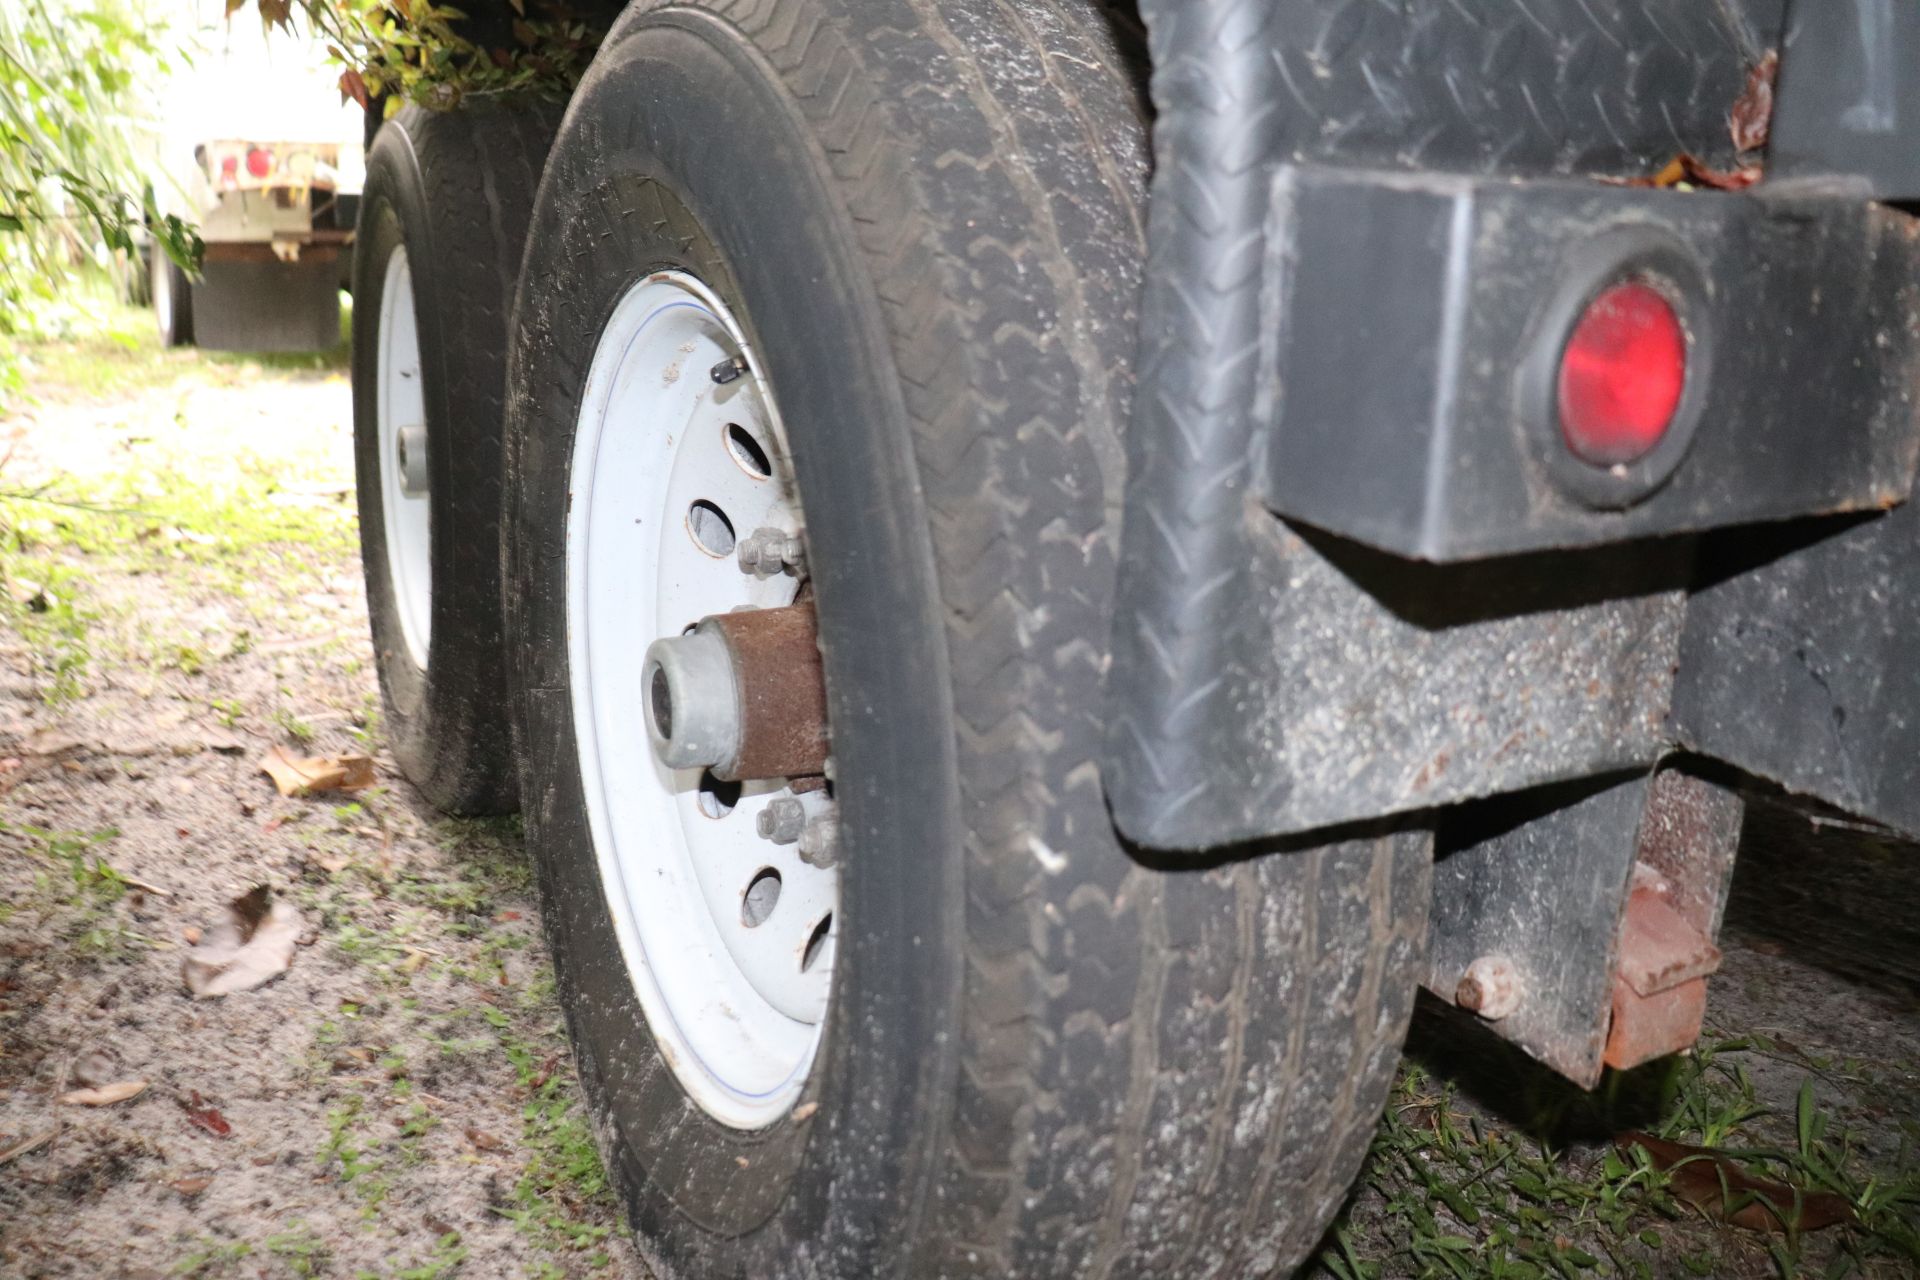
728 937
402 417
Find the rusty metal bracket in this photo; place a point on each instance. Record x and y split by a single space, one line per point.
1666 951
1579 921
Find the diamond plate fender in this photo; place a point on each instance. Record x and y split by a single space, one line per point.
1549 87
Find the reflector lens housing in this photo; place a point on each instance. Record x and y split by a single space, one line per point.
259 162
1621 375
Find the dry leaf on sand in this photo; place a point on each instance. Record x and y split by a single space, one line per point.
483 1140
252 945
299 776
1721 1189
106 1095
202 1114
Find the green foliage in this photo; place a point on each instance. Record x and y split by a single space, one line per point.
398 51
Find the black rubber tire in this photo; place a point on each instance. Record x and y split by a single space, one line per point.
170 294
456 189
135 277
1044 1057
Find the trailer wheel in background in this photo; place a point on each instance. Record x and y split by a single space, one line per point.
442 223
913 233
172 297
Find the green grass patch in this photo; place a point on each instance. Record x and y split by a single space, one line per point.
71 882
90 345
1464 1197
212 1257
300 1250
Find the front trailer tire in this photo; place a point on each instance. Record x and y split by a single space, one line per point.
451 192
171 296
1045 1056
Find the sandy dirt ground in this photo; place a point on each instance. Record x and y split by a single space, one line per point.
183 595
400 1103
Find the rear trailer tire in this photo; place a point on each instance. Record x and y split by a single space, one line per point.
442 225
1041 1056
172 298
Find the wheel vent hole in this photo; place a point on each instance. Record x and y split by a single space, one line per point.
816 943
716 797
711 529
747 451
762 896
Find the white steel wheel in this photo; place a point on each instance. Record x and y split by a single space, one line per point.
727 935
404 492
161 289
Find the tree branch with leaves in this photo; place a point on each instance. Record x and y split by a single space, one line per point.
75 82
398 51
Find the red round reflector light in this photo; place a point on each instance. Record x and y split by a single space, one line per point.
259 162
1621 375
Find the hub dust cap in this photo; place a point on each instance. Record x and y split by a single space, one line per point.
728 935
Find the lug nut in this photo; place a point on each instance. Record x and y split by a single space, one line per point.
1491 988
783 821
820 843
765 552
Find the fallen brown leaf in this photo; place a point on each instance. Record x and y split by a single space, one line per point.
106 1095
805 1111
1689 170
191 1186
251 946
1752 113
1719 1188
202 1115
299 776
483 1140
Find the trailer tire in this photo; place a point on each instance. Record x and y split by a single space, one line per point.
441 228
1045 1054
172 296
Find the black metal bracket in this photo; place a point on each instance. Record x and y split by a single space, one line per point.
1848 101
